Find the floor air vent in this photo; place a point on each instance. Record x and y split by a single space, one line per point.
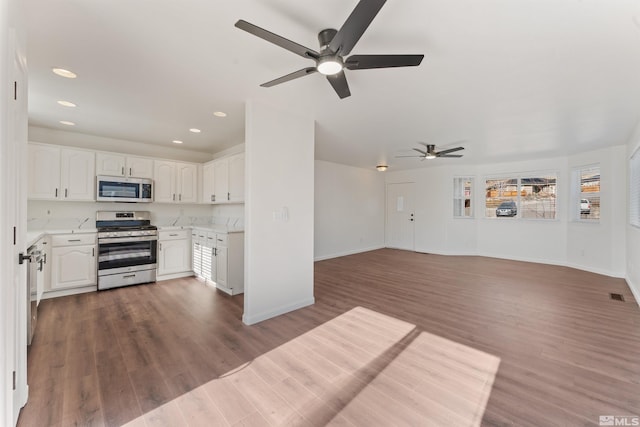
616 297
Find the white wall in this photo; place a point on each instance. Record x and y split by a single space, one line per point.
349 210
633 233
597 247
279 177
93 142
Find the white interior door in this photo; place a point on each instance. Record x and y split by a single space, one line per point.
400 227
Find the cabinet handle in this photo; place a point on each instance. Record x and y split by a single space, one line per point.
180 197
93 252
130 173
56 192
128 276
174 197
123 171
66 192
173 235
215 251
228 196
74 240
45 258
159 246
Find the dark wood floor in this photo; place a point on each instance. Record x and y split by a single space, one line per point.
567 352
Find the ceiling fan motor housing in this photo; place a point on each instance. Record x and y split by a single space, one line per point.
325 37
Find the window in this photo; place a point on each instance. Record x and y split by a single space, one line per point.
501 197
531 196
462 201
634 189
538 196
586 193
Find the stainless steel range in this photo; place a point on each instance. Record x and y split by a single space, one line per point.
127 248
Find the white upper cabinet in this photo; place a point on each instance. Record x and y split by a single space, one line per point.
110 164
175 182
236 178
187 183
139 167
114 164
208 182
57 173
77 175
44 172
223 180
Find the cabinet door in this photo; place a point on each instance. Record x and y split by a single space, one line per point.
174 256
187 183
73 266
236 178
221 267
44 172
78 177
110 164
207 183
139 167
164 181
221 180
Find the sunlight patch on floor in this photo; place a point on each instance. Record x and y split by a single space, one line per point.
361 368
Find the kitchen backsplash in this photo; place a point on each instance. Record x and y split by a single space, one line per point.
48 215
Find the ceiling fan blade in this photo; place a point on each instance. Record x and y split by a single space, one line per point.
450 150
294 47
294 75
408 156
340 85
448 155
355 26
363 62
424 153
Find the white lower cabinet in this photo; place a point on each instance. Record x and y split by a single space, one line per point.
174 252
219 258
73 261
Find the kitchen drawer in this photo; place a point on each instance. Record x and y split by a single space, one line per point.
73 239
222 239
174 234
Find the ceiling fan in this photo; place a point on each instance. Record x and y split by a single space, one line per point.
334 45
431 152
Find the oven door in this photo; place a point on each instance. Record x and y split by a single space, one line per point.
119 252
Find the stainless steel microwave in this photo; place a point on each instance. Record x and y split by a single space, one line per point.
120 189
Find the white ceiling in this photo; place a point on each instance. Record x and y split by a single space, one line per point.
513 79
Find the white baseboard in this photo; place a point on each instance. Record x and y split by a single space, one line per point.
256 318
174 276
345 253
635 289
67 292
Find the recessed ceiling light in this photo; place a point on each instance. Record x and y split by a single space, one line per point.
66 103
176 141
220 114
194 130
65 122
65 73
382 168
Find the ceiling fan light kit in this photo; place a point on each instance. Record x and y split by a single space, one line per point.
382 168
334 46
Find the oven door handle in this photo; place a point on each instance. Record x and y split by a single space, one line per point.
127 239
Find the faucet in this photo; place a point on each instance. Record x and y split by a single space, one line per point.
175 222
83 222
